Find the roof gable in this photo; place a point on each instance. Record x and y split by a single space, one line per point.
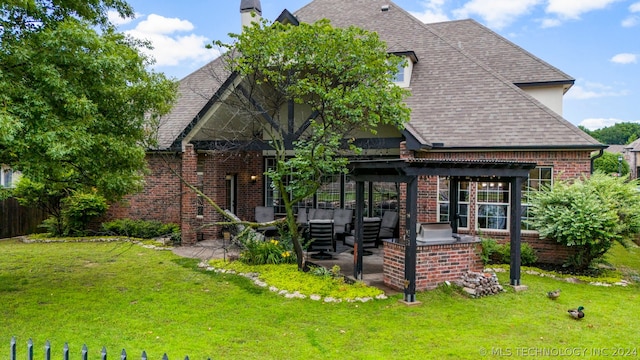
458 101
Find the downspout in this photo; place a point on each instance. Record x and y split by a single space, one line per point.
600 153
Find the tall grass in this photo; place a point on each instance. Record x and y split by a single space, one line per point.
121 295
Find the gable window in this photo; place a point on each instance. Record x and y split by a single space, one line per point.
463 202
402 76
398 77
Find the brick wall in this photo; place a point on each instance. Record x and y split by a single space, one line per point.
160 199
435 264
165 198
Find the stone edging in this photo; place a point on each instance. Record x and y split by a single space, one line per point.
289 295
572 280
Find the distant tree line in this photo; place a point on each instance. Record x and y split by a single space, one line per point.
618 134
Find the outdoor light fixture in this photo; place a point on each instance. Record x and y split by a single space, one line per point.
619 165
254 178
228 177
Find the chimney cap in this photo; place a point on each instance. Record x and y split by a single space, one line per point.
246 5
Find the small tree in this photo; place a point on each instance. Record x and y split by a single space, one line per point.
343 77
608 163
588 215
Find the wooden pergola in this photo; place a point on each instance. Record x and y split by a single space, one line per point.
407 171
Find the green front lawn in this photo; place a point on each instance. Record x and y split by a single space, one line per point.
121 295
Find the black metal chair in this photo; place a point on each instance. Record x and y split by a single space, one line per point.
320 235
371 230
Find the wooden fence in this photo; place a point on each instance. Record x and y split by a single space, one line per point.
84 353
17 220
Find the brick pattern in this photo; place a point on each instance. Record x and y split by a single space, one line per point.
435 264
161 197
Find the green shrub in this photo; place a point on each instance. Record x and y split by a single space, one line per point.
489 249
143 229
588 215
79 209
527 254
494 253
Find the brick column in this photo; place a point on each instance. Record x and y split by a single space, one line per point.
188 200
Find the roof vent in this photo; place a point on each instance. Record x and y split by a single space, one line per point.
385 8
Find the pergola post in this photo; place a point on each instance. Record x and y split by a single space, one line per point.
358 251
515 229
453 203
411 247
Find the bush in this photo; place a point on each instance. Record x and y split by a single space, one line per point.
143 229
494 253
79 209
588 215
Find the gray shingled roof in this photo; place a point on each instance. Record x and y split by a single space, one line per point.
456 100
501 55
194 92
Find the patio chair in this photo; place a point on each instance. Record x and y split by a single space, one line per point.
389 225
320 235
371 230
342 219
264 214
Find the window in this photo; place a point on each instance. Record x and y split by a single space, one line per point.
7 178
463 202
493 205
398 77
539 178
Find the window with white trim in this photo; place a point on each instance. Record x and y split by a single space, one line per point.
492 205
540 178
463 202
7 178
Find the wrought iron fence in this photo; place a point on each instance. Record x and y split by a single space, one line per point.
84 353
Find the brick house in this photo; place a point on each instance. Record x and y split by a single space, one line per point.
476 96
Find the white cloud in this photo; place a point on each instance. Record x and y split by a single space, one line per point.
572 9
117 20
433 12
630 21
592 91
157 24
599 123
549 23
497 13
624 58
170 49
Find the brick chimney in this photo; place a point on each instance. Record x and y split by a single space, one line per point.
247 7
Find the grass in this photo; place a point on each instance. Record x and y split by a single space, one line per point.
121 295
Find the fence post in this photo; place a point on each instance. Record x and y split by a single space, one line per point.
30 349
65 351
84 353
12 349
103 353
47 350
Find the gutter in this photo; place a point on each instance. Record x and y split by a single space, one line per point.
593 159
